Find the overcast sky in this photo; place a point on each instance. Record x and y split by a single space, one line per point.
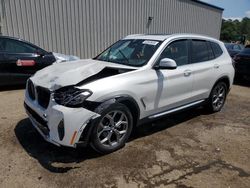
233 9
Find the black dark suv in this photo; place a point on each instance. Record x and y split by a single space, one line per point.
20 59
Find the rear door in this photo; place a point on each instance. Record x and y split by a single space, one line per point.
205 68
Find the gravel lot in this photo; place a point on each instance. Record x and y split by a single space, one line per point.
191 149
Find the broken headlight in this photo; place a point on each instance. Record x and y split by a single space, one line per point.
71 96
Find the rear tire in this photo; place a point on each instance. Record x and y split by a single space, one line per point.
112 129
217 97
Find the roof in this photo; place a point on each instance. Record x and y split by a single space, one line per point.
162 37
207 4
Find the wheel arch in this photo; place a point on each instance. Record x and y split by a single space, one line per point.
224 79
132 106
97 107
126 100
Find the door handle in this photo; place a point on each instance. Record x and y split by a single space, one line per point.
216 66
187 72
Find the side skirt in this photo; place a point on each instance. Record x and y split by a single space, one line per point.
170 112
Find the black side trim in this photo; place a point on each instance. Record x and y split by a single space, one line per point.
149 120
90 105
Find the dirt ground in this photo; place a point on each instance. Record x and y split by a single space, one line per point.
191 149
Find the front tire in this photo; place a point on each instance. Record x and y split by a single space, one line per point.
217 97
112 129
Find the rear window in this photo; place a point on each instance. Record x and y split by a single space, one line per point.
216 49
14 46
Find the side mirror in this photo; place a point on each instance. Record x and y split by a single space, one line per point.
167 63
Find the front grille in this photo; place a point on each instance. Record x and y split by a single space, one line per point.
43 96
31 89
42 123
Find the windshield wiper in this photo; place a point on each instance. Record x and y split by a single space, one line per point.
123 55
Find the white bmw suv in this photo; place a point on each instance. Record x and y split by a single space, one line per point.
139 78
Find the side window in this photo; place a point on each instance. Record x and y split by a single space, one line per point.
200 51
216 49
13 46
1 45
177 51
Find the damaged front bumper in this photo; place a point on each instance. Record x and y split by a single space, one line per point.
59 125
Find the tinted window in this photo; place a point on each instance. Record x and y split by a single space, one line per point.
200 52
177 51
1 45
216 49
13 46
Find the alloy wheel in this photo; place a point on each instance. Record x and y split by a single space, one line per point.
219 95
112 128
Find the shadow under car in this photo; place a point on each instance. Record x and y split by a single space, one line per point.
47 154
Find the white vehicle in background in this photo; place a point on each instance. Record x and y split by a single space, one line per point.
139 78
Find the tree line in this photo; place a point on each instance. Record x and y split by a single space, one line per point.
235 30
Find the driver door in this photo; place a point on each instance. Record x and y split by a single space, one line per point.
175 86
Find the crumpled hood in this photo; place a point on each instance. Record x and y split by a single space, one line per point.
63 74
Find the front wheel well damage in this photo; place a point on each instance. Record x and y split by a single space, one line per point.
125 100
129 102
133 107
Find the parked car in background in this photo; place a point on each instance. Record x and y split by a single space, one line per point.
139 78
234 48
242 63
20 59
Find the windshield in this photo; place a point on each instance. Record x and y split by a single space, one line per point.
135 52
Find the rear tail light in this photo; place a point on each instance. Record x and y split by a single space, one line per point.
20 62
